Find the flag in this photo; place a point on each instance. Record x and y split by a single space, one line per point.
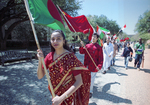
105 31
79 23
122 28
100 42
117 39
126 38
99 32
108 37
45 13
122 40
114 36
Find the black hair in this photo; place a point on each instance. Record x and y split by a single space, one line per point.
65 45
96 35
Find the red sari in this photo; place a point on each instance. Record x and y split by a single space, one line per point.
62 73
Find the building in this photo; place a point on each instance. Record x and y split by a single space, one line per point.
130 35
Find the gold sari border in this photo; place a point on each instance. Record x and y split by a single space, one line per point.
79 68
58 59
75 68
62 80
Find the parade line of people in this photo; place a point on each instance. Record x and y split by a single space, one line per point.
71 80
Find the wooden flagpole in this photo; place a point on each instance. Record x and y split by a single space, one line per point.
117 33
38 46
78 36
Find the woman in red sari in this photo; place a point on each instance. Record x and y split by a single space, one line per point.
69 78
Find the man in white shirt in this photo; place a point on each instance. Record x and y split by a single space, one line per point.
108 54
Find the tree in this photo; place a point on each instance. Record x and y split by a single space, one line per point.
69 6
124 35
145 37
13 12
26 34
135 38
104 22
143 24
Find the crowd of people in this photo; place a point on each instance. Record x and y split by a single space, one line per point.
73 81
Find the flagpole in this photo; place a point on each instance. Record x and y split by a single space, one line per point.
38 46
78 36
117 33
122 28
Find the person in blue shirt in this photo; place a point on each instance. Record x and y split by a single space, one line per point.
127 53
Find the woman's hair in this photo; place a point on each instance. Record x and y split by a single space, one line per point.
65 45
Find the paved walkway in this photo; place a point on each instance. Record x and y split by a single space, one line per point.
19 84
121 87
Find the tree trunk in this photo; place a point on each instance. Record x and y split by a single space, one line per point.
3 45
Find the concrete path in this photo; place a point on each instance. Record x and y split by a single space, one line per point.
109 88
19 84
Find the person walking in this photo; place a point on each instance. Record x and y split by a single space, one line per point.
95 50
118 46
139 48
69 78
108 54
127 54
125 44
115 52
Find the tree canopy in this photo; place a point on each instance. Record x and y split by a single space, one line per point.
69 6
143 27
143 24
101 21
104 22
14 12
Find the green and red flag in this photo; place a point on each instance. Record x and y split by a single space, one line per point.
101 35
105 31
114 36
100 42
99 32
45 13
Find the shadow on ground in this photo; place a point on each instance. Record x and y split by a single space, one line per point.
146 70
104 95
19 85
116 70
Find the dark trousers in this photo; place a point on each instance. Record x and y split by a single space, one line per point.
138 60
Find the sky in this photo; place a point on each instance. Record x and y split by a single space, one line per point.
122 11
